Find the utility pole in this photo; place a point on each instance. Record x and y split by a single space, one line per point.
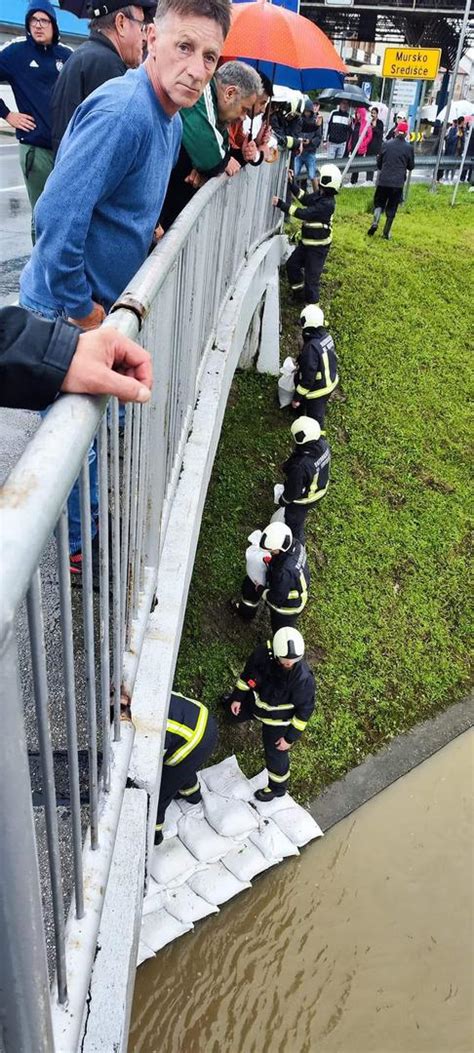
462 37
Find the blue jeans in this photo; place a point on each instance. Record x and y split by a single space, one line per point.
305 160
73 504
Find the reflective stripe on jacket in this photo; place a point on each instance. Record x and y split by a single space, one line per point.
185 727
280 697
307 474
315 211
317 366
288 580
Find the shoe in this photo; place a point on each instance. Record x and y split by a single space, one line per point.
387 237
266 794
158 838
75 566
372 229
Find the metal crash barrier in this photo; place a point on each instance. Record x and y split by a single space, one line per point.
70 656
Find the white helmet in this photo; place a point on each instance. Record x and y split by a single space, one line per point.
311 316
277 537
288 643
330 177
305 429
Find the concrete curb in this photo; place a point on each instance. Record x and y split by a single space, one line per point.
382 769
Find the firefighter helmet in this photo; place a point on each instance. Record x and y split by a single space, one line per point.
330 178
305 429
277 537
311 316
288 643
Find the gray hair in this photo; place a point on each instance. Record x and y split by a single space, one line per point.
217 10
240 76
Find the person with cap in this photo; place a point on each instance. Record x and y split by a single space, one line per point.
285 591
315 212
395 159
96 217
115 44
311 135
190 738
399 117
31 66
278 689
316 374
306 474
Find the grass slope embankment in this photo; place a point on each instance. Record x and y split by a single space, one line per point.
387 623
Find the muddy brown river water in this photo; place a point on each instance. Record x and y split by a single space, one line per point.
362 945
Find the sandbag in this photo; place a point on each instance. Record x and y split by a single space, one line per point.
144 953
202 840
171 863
227 779
277 492
246 861
272 842
286 383
161 928
216 884
298 825
255 565
187 906
278 516
172 814
153 901
229 817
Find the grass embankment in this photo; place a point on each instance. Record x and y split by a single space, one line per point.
387 623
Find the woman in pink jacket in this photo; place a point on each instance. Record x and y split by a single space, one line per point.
360 123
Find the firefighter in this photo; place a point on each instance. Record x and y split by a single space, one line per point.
277 688
285 591
316 214
306 472
316 374
191 735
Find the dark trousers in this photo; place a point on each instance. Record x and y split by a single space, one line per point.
295 516
315 408
279 621
277 761
388 198
250 599
183 776
309 259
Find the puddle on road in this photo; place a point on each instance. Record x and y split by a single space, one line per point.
362 945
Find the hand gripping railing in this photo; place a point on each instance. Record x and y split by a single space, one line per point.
76 652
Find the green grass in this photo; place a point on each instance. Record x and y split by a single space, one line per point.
387 623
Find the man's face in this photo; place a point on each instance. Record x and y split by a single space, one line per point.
183 52
41 28
131 30
344 105
374 113
231 104
261 104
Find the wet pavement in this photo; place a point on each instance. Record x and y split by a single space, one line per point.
362 945
15 213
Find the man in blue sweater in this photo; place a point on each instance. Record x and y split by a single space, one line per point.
96 218
32 66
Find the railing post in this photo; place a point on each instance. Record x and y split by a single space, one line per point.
25 1015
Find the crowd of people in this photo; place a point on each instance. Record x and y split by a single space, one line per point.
115 138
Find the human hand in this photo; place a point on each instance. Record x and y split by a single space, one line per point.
92 320
23 121
158 233
249 150
235 708
291 175
275 201
232 167
107 363
295 404
195 179
283 745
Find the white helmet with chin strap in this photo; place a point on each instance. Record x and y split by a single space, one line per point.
330 178
277 537
288 643
305 429
311 316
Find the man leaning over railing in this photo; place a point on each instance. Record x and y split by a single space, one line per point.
96 217
205 149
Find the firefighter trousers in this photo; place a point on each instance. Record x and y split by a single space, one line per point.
315 408
295 516
311 260
182 778
277 761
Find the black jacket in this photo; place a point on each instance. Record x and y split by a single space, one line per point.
185 727
281 696
316 375
307 473
315 211
339 126
395 159
94 62
310 130
376 140
286 129
35 356
288 581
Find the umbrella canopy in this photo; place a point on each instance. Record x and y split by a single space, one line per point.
82 8
352 93
460 108
76 7
288 48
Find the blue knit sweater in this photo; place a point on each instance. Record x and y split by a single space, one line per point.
95 219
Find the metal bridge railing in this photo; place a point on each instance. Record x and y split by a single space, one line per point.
76 652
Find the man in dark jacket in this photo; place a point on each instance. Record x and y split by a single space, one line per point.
315 211
115 45
191 735
394 161
376 141
32 66
316 375
311 135
306 474
338 129
276 688
38 359
287 579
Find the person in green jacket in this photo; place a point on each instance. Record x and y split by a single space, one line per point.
205 150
